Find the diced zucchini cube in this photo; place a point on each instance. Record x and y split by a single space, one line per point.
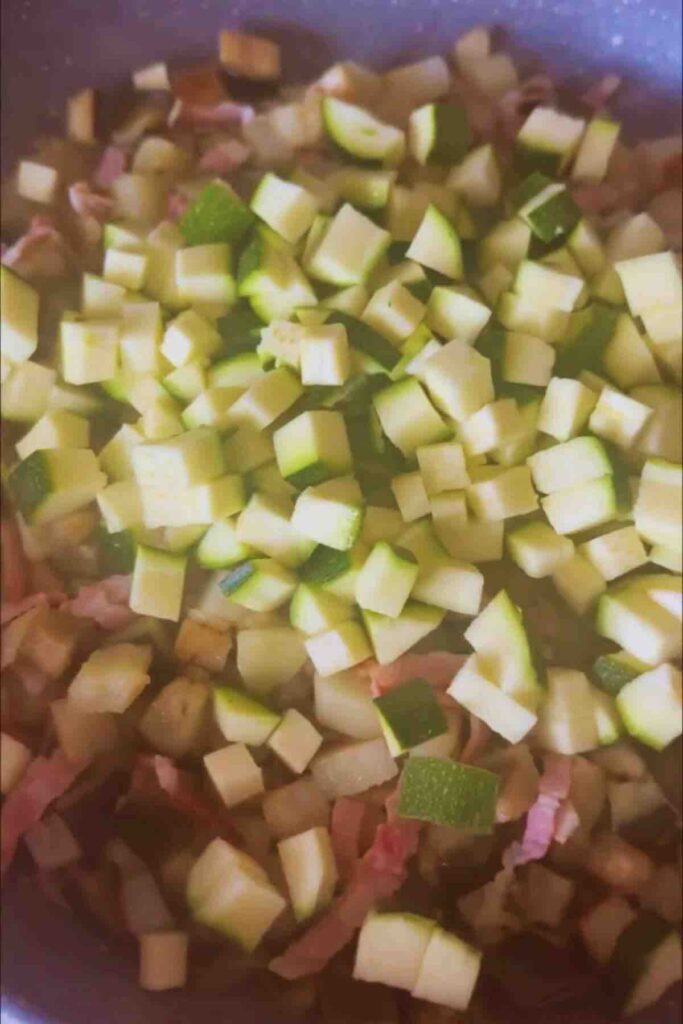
194 457
234 773
266 524
188 338
448 972
632 619
651 706
627 358
457 313
565 408
295 741
51 483
211 408
579 583
56 429
126 269
140 338
259 584
286 207
158 583
310 871
314 611
89 350
446 793
386 580
459 380
392 637
650 281
410 715
527 360
508 494
659 505
406 934
26 391
330 513
568 465
477 178
37 182
442 467
111 678
220 546
325 356
618 418
407 416
312 448
268 657
349 250
363 136
266 399
491 426
411 497
548 139
616 553
19 304
538 550
351 768
204 275
475 541
436 245
394 312
242 719
581 507
120 505
339 648
217 215
595 150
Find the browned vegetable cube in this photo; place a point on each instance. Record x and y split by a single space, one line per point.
202 645
249 56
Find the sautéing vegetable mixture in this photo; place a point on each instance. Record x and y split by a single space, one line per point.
342 542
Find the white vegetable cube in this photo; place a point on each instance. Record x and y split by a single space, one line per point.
26 391
37 182
235 774
508 494
651 706
158 583
477 689
56 429
193 458
82 735
349 250
478 177
140 198
188 338
351 768
411 497
343 702
618 418
407 416
229 891
111 678
269 656
266 399
295 741
475 541
436 245
459 380
527 360
204 274
491 426
330 513
627 358
448 510
310 871
616 553
295 808
406 935
121 505
325 355
247 449
597 145
651 281
631 618
89 350
313 447
141 334
126 269
581 507
394 312
443 467
457 313
547 286
551 134
579 583
568 465
448 972
161 419
386 580
287 208
211 408
163 961
339 648
538 550
659 504
19 304
567 720
100 298
15 758
565 408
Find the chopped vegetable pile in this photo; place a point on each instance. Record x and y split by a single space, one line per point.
341 554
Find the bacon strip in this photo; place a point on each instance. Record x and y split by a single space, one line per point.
40 252
345 832
224 157
156 777
106 602
45 780
112 165
378 875
542 818
202 116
